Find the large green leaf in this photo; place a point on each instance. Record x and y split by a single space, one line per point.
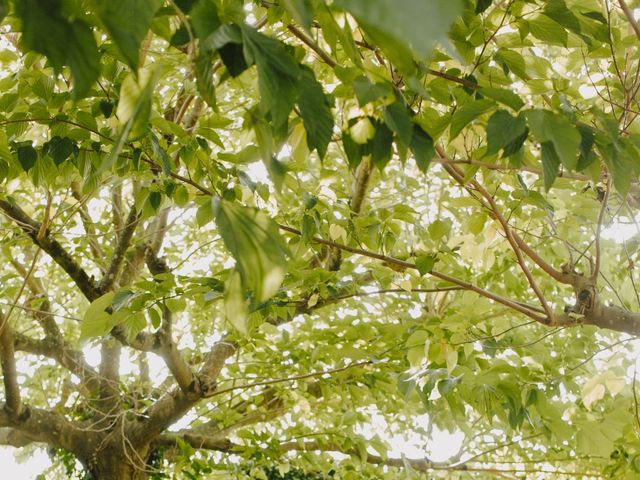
315 110
236 309
127 22
278 74
468 113
300 10
254 241
417 24
503 129
397 118
134 110
548 30
63 41
422 148
204 78
550 164
551 127
97 320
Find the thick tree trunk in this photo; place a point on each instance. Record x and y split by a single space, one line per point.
117 469
116 464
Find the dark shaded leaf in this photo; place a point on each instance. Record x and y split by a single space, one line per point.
64 42
27 156
422 148
204 78
482 5
381 145
278 74
315 110
397 118
503 129
550 164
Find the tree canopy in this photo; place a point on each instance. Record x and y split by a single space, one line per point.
277 239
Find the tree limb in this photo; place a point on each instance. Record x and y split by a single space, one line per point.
13 405
174 404
114 271
629 14
53 248
442 276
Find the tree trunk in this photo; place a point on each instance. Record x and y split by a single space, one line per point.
119 465
117 469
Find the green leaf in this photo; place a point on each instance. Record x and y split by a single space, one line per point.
513 62
27 156
127 22
548 126
425 264
506 97
381 145
204 18
236 309
548 30
422 148
482 5
134 110
64 42
398 119
550 164
558 11
418 25
204 78
367 91
467 113
278 74
97 320
300 10
220 37
503 129
59 149
315 110
255 243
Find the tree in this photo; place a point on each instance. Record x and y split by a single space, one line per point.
261 238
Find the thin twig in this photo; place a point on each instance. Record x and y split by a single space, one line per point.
603 209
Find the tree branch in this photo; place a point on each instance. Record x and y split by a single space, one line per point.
114 271
603 209
13 405
87 223
53 248
529 311
109 375
629 14
174 404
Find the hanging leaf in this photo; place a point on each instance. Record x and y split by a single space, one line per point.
63 41
467 113
422 148
127 22
204 78
418 25
315 110
503 129
236 309
254 241
278 74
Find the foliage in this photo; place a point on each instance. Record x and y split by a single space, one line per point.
302 239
